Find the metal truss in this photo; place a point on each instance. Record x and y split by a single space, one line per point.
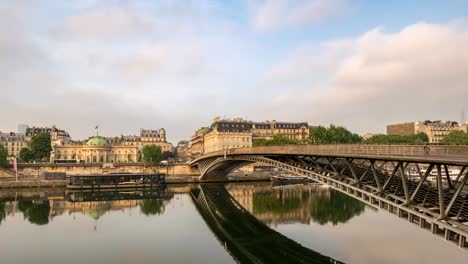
424 193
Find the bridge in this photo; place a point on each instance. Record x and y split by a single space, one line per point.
247 239
414 182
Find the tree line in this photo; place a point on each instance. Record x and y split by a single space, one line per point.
340 135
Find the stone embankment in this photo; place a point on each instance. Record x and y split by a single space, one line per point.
9 182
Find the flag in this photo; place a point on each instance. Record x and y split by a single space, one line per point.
15 167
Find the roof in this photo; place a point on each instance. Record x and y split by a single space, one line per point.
97 141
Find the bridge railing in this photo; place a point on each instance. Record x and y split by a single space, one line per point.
356 150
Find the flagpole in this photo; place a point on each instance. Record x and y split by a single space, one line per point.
15 165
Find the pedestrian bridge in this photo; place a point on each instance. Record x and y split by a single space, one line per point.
427 185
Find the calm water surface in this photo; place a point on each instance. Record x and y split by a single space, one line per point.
209 224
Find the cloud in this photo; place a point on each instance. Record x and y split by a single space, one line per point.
415 74
276 14
107 22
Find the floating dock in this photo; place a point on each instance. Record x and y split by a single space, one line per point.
116 181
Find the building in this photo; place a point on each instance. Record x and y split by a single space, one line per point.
13 143
107 149
435 130
240 133
196 145
146 137
94 150
181 151
22 128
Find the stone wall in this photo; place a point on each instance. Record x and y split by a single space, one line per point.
37 170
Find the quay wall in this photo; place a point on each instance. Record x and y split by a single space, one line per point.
38 170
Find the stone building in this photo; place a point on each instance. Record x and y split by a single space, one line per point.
239 133
181 151
96 149
435 130
13 143
196 144
146 137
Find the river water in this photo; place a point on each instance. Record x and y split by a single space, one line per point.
210 223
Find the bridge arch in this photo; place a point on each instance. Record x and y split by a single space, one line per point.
408 181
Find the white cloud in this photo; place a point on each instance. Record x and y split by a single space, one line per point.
415 74
104 23
273 14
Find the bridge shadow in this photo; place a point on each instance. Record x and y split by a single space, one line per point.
247 239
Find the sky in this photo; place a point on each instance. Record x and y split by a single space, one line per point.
177 64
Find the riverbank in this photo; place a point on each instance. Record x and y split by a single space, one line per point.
37 183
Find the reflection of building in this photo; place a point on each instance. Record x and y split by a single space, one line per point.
295 203
435 130
239 133
291 204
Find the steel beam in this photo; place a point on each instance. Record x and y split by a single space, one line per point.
391 176
440 189
456 194
421 182
405 184
376 178
447 174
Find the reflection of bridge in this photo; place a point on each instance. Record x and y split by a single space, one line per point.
243 236
375 174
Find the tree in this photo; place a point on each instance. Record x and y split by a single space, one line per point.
40 147
398 139
3 156
333 135
276 141
152 154
26 155
456 137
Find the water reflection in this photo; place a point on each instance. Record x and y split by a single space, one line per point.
3 213
41 207
246 238
296 204
37 212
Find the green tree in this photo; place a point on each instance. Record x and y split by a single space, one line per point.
456 137
333 135
277 140
40 147
152 154
398 139
26 155
3 156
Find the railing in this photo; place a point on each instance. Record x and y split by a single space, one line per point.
426 151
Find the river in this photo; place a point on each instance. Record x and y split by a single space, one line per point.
210 223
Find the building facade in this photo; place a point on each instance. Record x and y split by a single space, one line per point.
95 150
240 133
181 151
13 143
435 130
111 149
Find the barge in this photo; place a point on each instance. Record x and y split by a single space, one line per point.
116 181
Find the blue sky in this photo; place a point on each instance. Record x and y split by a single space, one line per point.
178 63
